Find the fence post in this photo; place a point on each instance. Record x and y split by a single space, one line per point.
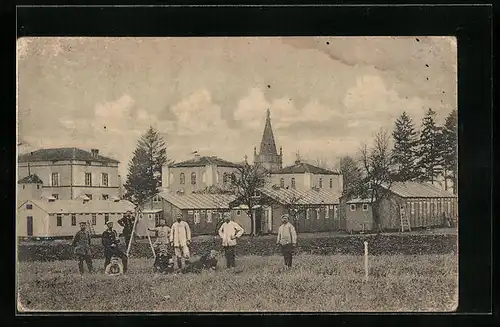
366 261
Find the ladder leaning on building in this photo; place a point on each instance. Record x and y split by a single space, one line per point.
405 221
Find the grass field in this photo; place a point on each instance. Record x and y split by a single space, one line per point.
315 283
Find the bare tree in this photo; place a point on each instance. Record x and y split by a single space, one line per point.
351 175
246 185
377 170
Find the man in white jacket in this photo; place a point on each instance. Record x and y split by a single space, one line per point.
287 240
229 232
180 239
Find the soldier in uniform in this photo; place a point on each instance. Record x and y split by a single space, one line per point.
110 242
127 222
81 244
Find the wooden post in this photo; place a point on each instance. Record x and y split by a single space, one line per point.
133 232
366 261
151 243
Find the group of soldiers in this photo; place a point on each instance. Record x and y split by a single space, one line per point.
178 238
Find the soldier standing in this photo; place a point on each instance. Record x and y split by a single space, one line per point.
127 222
110 242
81 243
180 239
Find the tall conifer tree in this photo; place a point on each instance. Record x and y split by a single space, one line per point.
405 148
430 158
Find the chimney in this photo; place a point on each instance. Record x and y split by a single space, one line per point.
95 152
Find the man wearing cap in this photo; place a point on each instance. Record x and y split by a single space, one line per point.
287 240
163 233
180 239
110 242
81 244
127 222
229 231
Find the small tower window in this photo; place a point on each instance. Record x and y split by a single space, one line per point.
182 179
331 182
282 183
320 182
193 178
293 182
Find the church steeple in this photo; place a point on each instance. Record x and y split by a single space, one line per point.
268 155
267 145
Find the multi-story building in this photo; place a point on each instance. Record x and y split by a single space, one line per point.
197 174
268 157
69 173
302 175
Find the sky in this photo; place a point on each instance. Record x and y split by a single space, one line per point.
326 95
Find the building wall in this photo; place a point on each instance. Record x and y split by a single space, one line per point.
28 191
40 221
307 180
422 212
322 218
301 180
72 178
359 219
336 182
205 176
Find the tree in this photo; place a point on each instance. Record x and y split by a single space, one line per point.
351 175
449 150
246 185
405 148
377 173
144 176
430 159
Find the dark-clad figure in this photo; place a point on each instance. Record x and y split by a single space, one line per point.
81 244
110 242
207 262
127 222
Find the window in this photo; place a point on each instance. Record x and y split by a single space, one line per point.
37 186
105 196
233 178
150 216
157 198
448 205
94 219
204 177
73 219
89 196
365 207
282 182
317 213
225 178
428 205
320 182
29 206
104 179
55 179
293 182
106 217
413 208
59 220
335 212
308 213
420 208
331 182
88 163
238 212
55 196
190 212
193 178
24 186
327 212
88 179
196 217
209 216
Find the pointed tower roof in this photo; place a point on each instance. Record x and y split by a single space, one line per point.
267 145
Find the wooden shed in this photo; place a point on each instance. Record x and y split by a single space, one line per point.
200 211
358 215
424 204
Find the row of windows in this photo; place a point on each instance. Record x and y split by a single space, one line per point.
59 220
292 182
326 210
208 214
353 207
226 178
88 179
430 205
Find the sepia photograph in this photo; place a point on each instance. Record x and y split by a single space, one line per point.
237 174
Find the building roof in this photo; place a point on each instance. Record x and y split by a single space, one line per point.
418 190
79 206
198 201
30 179
58 154
267 144
302 197
204 161
303 167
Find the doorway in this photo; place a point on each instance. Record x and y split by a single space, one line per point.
29 225
258 222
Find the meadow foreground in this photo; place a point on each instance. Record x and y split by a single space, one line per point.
331 283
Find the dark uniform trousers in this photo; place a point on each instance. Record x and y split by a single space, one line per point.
287 251
230 256
87 259
110 242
